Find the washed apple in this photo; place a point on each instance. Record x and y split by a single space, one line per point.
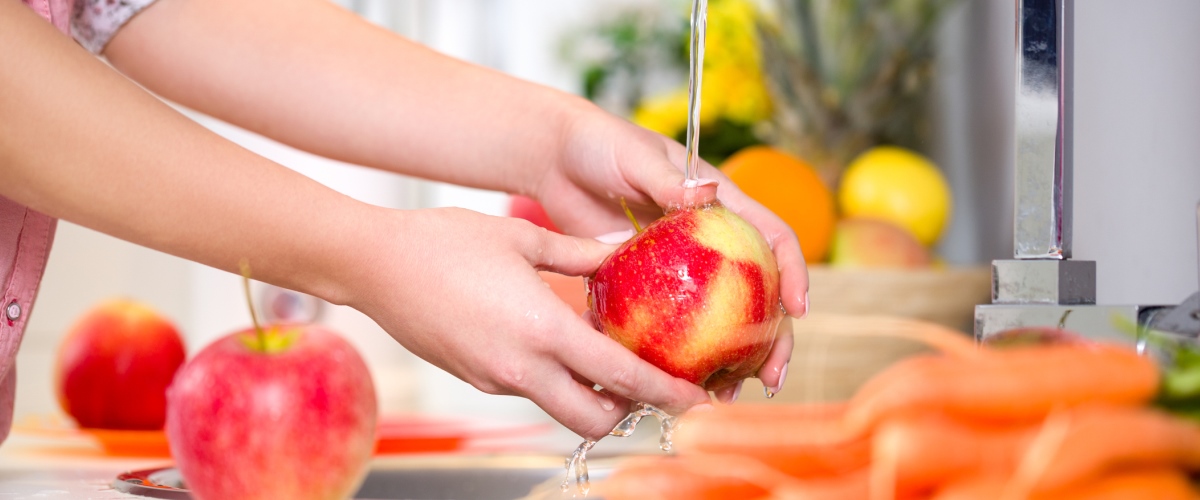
284 412
863 242
114 366
696 293
524 207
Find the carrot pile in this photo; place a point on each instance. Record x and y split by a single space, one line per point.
1058 421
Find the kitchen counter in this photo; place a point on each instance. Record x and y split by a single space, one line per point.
34 466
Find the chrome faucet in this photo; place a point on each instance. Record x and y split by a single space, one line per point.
1042 285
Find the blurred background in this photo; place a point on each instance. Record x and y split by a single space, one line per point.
934 76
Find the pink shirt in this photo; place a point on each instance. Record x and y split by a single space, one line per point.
26 235
25 238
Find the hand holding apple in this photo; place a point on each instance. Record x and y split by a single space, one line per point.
696 294
114 366
605 158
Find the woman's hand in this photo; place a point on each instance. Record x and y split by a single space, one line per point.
461 290
605 158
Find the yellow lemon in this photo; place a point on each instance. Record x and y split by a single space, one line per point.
897 185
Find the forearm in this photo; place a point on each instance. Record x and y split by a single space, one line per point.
80 142
312 75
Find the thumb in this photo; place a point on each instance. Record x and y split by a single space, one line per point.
568 255
667 185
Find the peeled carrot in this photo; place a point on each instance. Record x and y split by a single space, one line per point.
1157 484
801 440
1086 443
925 451
850 486
704 477
1101 439
665 478
1005 385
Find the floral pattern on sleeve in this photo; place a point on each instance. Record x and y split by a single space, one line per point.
96 21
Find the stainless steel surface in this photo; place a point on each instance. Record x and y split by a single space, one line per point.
1044 282
1106 323
434 482
157 483
1183 319
1043 129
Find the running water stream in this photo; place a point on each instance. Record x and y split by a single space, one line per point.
577 470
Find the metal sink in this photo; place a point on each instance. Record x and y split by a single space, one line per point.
426 478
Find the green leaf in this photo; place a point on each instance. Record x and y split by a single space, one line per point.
593 81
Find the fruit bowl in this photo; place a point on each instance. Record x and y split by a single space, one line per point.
837 347
946 296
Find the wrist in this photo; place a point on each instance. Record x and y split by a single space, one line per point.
349 271
568 114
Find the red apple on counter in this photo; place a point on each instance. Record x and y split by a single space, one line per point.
524 207
285 412
696 294
114 366
860 242
1033 336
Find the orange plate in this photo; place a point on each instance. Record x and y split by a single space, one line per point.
423 434
396 434
121 443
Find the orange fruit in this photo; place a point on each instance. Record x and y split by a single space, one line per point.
791 188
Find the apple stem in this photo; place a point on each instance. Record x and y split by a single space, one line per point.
629 213
262 339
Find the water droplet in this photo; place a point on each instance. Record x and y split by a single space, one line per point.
767 392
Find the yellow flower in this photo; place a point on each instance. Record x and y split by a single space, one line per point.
734 87
665 114
736 94
731 38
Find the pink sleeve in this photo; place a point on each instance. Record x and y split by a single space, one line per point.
58 12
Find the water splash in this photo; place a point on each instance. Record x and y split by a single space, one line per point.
577 464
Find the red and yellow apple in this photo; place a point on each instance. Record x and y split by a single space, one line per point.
114 366
696 294
288 412
860 242
1033 336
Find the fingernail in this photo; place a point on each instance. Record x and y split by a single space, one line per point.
606 403
736 392
782 377
615 237
691 183
805 313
